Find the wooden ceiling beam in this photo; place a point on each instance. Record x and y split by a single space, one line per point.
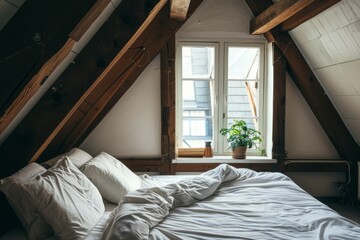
179 9
111 73
88 19
316 97
119 76
313 92
58 100
49 66
276 14
306 14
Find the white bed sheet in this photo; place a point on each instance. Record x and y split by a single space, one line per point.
18 233
261 206
254 206
98 230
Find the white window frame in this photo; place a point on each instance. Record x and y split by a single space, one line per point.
220 77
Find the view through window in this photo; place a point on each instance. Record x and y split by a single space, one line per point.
217 84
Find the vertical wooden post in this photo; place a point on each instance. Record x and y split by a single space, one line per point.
279 66
167 66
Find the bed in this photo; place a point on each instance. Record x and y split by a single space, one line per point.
223 203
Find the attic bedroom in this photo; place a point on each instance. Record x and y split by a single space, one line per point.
141 81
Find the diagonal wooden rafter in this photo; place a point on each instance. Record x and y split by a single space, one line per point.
117 77
276 14
179 9
110 72
37 80
314 94
76 79
312 91
306 14
296 18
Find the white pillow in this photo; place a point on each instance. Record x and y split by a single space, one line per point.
66 199
113 179
76 155
34 224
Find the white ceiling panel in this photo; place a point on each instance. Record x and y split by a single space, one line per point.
332 79
341 46
95 26
333 47
7 10
348 106
354 31
305 32
352 70
116 3
351 9
16 3
316 54
354 128
330 20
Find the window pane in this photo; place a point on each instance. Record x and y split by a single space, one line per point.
197 95
196 131
243 63
251 123
198 62
198 98
242 99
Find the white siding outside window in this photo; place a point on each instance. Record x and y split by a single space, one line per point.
218 83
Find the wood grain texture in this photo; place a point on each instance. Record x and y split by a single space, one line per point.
124 74
34 85
276 14
115 76
279 102
89 19
315 96
179 9
202 167
317 99
29 40
89 66
307 13
142 164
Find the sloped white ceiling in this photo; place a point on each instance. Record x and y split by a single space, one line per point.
7 9
330 42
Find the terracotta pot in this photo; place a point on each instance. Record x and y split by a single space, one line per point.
239 152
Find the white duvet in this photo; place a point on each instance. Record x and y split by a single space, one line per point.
227 203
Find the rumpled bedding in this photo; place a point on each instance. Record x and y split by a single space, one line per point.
227 203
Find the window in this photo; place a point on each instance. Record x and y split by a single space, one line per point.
218 83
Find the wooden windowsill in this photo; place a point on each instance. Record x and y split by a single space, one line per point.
224 159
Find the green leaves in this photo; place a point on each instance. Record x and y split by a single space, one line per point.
239 134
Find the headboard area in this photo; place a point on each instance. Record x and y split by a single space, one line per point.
8 218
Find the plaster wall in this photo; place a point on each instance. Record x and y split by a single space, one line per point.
133 127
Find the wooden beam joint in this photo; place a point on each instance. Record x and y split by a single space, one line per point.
276 14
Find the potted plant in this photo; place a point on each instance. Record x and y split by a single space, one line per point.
240 137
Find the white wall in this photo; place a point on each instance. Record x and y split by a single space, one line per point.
139 110
133 127
304 137
330 44
214 18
